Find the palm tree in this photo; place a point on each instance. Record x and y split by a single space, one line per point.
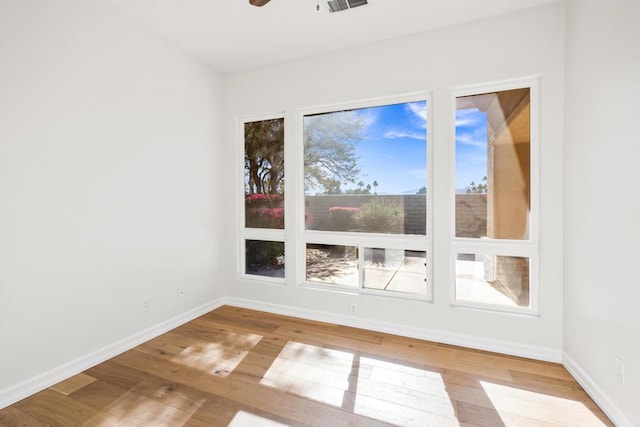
375 186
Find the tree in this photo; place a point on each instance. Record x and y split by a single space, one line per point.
329 149
478 188
422 190
358 191
264 156
332 186
375 186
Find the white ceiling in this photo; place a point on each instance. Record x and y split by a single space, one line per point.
232 35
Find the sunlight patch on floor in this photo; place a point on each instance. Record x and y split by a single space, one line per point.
217 358
141 410
385 390
509 401
247 419
314 372
402 394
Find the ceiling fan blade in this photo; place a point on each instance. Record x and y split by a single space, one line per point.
258 2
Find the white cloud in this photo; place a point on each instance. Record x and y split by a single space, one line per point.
472 140
393 134
368 116
469 117
419 109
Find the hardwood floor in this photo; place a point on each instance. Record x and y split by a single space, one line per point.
241 367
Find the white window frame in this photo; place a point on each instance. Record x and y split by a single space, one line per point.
519 248
362 240
263 234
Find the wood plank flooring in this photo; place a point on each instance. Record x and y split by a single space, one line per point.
241 367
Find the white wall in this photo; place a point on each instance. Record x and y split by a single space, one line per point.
108 194
108 188
601 175
509 46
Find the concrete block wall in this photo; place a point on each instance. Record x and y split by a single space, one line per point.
471 211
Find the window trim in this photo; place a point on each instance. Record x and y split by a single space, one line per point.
507 247
361 240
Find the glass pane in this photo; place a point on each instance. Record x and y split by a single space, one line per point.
395 270
493 279
365 170
264 258
332 265
264 174
493 150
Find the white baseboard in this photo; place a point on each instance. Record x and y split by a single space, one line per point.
514 349
17 392
596 393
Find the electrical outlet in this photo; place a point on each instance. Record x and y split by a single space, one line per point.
352 307
620 369
146 304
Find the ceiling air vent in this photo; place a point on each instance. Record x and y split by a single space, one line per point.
339 5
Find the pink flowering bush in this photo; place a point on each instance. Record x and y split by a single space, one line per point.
263 200
267 211
308 220
265 218
264 211
342 218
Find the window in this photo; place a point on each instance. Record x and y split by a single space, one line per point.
395 270
494 246
332 264
263 214
363 205
365 198
493 279
264 258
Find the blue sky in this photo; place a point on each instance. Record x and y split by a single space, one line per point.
471 147
394 151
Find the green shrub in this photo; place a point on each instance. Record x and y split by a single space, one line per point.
381 215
